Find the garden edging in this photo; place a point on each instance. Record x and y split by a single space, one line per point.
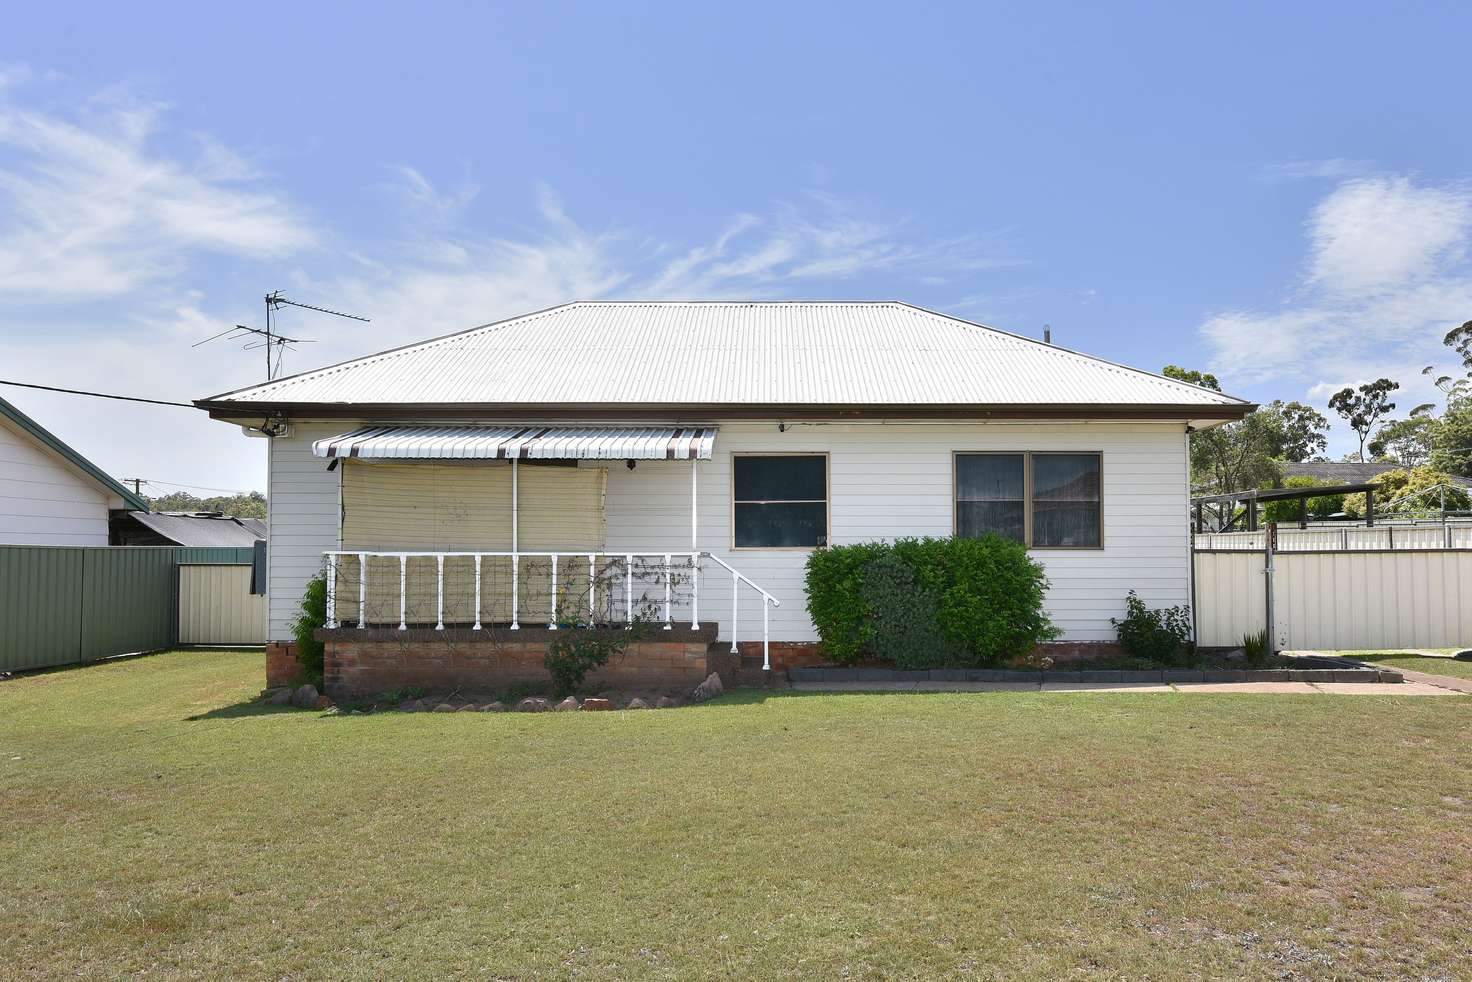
1335 670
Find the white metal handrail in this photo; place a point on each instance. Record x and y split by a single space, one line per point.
403 556
768 602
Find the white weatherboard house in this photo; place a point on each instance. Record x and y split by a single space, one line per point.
471 482
49 493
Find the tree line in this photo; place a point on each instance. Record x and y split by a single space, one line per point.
1251 453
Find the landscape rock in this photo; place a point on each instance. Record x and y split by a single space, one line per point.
444 707
493 707
325 702
567 704
665 702
467 708
408 705
305 697
597 704
533 704
637 703
280 697
708 689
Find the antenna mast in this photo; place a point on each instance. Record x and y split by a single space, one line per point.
270 338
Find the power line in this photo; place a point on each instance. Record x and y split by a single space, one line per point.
192 487
96 395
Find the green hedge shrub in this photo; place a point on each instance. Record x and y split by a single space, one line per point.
987 596
904 621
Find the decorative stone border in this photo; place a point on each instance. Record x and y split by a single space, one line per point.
1333 670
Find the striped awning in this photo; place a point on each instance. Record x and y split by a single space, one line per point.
525 442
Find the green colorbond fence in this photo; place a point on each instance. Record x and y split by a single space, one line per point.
60 605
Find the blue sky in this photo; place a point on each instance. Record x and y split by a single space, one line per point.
1282 193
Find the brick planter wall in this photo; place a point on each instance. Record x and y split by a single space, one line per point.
360 663
282 668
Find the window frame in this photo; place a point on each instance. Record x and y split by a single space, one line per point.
827 499
1027 491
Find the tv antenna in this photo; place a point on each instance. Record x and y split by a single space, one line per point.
270 340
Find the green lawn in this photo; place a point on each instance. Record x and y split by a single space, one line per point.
1415 663
153 824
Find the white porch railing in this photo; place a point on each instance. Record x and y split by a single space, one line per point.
666 571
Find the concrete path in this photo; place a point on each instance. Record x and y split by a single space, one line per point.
1410 687
1420 678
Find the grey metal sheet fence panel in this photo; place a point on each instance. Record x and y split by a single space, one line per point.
40 606
127 601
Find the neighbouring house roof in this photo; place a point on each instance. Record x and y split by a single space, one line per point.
203 528
527 442
1347 471
53 443
711 356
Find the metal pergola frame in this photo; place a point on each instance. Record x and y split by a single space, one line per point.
1254 497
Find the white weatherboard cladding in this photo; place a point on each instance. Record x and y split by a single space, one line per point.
43 500
886 480
730 353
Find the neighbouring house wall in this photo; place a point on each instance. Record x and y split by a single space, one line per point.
43 500
885 481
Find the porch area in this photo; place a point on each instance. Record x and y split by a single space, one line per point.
465 550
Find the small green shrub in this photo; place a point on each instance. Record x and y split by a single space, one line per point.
904 625
1162 636
310 616
576 652
1257 648
987 593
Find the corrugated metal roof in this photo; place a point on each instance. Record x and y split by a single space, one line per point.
731 353
533 442
204 529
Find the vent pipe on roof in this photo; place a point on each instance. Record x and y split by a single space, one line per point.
1047 334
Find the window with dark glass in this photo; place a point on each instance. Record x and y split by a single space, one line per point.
1065 500
781 502
989 495
1046 500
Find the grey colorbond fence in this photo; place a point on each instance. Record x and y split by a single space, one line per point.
60 605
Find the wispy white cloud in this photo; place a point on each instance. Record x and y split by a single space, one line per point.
88 209
1386 273
1331 168
1385 234
457 279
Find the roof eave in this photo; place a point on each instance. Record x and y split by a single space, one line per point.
678 412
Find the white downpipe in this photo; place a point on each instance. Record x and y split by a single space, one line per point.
515 546
694 501
403 590
552 620
629 591
362 590
592 589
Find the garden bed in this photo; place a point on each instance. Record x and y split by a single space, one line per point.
1307 669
